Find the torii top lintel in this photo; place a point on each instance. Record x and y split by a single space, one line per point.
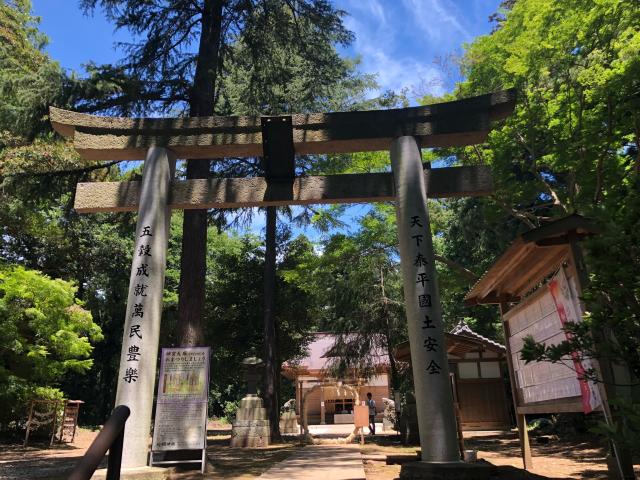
457 123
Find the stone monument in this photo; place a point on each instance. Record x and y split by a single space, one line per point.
289 419
389 420
251 426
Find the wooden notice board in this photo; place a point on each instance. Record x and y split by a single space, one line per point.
538 283
361 416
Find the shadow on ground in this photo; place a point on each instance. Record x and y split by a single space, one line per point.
573 456
224 461
51 468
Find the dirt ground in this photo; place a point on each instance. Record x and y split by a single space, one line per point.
234 463
39 460
568 458
577 457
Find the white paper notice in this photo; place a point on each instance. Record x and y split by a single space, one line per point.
181 411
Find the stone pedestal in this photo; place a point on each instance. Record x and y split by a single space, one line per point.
387 425
251 426
447 471
289 423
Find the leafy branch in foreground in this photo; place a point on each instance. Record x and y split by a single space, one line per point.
44 333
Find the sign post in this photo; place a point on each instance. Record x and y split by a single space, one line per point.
181 409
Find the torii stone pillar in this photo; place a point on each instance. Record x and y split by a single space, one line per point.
139 355
434 402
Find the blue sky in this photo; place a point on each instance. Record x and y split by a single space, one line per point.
407 43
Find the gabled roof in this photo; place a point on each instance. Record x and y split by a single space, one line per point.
528 260
463 330
458 342
320 352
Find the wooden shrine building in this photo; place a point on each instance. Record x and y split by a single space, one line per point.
330 405
479 376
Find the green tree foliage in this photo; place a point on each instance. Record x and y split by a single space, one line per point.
38 173
234 313
357 292
357 286
94 253
262 38
29 80
470 248
44 333
573 136
572 143
285 61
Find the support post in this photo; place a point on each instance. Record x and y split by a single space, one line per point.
279 168
322 407
54 422
26 436
521 421
434 401
138 359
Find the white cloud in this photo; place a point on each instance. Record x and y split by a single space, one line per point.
400 73
376 31
437 21
371 8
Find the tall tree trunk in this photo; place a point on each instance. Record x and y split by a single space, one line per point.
270 357
193 262
393 368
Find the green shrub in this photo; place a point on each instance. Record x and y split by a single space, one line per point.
44 333
230 409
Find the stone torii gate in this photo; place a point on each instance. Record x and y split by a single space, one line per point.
277 139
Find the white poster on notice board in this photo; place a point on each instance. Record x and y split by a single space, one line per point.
181 409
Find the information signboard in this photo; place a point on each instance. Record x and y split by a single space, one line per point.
181 408
542 316
361 417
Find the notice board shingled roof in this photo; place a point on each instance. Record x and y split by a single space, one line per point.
530 257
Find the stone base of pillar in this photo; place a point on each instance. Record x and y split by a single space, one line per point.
251 427
447 471
387 425
140 473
